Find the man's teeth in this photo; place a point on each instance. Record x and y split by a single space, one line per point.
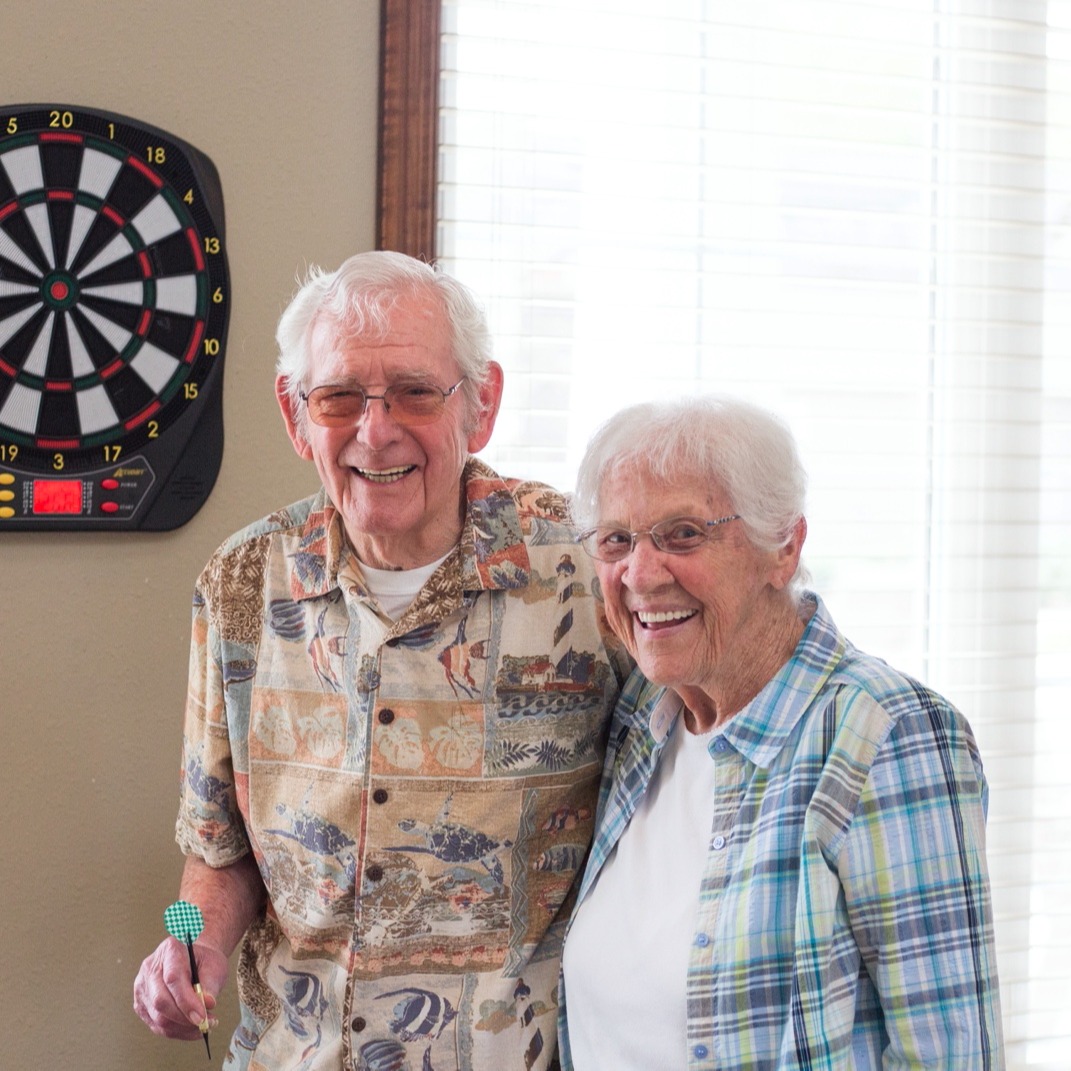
661 618
385 475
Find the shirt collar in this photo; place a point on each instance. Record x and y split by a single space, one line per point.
667 708
491 550
763 727
315 560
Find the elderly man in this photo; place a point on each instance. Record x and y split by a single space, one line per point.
399 690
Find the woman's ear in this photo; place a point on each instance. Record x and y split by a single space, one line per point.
788 557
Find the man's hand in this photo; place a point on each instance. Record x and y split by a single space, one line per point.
230 898
164 996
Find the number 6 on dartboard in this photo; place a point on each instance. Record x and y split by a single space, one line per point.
114 300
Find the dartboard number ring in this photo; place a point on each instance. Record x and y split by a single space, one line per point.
114 301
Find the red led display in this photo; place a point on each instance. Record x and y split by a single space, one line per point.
57 496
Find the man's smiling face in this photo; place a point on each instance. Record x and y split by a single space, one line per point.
397 488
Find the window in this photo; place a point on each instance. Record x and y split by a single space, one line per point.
858 214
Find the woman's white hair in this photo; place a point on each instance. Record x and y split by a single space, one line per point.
714 441
357 299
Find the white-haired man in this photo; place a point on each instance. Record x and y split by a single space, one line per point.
398 701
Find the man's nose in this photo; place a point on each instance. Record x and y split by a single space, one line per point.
376 424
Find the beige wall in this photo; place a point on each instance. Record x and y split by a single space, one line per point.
94 627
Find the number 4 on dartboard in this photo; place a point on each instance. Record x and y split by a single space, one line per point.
114 299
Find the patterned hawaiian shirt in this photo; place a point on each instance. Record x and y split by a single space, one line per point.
419 795
844 919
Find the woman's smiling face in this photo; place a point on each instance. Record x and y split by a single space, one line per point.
691 621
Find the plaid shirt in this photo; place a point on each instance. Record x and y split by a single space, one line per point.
849 833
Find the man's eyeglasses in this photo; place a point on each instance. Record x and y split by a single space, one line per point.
410 404
678 535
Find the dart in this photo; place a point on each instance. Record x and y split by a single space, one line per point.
184 922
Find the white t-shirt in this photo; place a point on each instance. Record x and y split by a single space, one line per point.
395 589
626 958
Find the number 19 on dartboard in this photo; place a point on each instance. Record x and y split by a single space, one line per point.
114 300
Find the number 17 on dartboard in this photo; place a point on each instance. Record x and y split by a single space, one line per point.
114 300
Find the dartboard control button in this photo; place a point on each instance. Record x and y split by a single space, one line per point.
114 301
5 512
6 478
7 496
109 507
109 484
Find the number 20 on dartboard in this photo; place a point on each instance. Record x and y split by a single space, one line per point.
114 301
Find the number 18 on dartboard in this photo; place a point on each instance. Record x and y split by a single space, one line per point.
114 301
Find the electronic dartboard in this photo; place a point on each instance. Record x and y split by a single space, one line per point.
113 321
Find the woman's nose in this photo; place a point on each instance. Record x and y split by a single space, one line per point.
645 567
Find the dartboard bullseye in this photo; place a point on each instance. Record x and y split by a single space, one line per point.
114 301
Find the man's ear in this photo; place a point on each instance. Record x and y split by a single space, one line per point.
292 417
490 400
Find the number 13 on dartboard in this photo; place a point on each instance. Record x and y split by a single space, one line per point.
114 300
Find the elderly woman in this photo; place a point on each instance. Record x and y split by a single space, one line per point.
789 867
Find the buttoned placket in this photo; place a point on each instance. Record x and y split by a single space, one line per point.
368 631
361 606
730 784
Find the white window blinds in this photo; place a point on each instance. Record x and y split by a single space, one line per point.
858 214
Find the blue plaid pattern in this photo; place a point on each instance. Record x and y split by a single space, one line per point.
844 916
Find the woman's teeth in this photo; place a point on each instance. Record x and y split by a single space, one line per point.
664 616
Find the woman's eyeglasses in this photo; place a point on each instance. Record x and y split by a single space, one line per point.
678 535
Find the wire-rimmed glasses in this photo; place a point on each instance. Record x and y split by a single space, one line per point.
337 405
677 535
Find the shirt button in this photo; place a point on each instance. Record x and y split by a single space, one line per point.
386 717
721 744
374 872
702 940
358 1025
718 843
700 1052
380 795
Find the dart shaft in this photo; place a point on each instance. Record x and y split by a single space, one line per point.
200 992
204 1022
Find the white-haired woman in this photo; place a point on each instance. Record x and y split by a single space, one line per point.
788 870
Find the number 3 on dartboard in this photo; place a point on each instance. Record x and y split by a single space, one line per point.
114 301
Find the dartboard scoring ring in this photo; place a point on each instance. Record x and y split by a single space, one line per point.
60 290
113 314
